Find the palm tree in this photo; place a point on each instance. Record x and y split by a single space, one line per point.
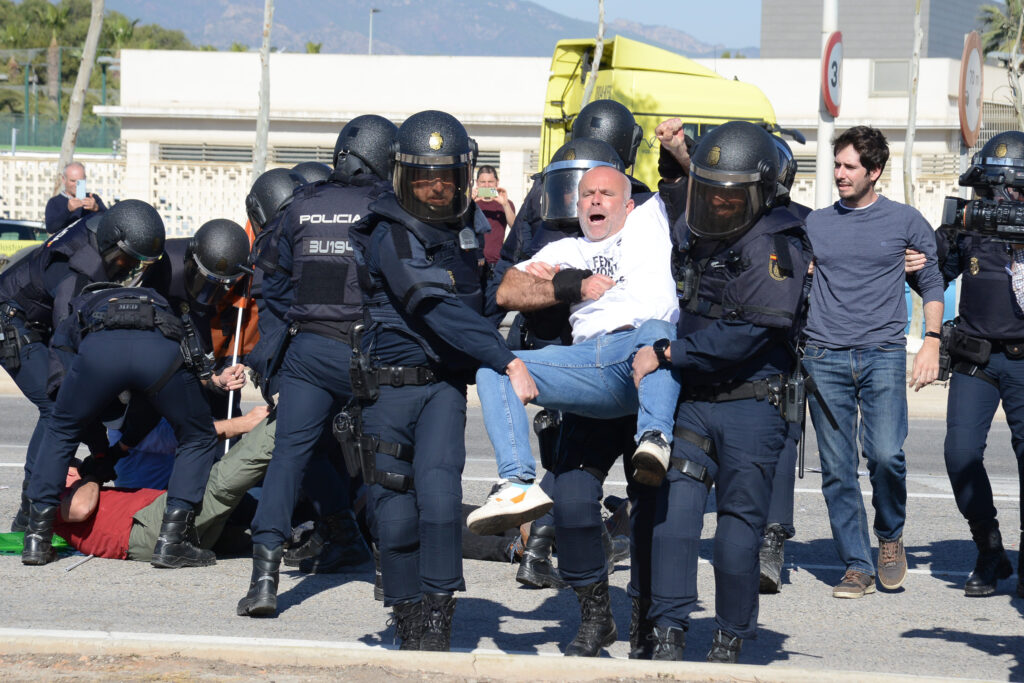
999 26
55 17
120 31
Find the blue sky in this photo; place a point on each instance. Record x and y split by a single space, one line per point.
735 23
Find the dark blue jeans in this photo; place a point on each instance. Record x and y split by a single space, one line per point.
420 530
971 406
874 382
315 385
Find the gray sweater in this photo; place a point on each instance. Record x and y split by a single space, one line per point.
857 293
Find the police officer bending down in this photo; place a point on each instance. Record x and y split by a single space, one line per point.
426 337
325 302
34 296
118 339
743 263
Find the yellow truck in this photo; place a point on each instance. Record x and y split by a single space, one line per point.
654 84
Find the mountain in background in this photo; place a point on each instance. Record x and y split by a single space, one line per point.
499 28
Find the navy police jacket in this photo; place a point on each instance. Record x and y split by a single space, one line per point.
748 301
988 307
42 285
422 293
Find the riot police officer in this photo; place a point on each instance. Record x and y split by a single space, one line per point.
990 323
117 339
426 336
34 296
193 276
312 171
741 262
325 302
780 526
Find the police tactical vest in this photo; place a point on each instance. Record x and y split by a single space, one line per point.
24 284
457 268
323 261
987 302
704 271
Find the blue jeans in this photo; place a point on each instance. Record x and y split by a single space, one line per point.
873 380
593 379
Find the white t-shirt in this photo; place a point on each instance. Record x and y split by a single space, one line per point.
638 258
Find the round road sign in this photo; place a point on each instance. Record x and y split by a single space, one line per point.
832 73
971 71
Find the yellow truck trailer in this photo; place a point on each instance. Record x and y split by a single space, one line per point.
654 84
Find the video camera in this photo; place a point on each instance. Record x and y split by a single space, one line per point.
986 215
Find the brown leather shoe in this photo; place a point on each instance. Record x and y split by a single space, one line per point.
892 563
855 584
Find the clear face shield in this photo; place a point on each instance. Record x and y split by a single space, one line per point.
720 206
433 189
560 194
124 265
204 287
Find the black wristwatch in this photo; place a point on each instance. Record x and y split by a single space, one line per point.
660 347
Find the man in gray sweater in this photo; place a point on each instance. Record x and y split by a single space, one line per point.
856 351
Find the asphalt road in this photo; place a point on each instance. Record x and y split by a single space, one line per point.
927 628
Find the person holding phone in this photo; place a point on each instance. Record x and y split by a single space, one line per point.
74 201
500 212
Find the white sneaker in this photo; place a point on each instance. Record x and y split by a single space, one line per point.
508 506
650 461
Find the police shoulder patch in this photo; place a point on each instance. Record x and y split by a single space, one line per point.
774 271
974 267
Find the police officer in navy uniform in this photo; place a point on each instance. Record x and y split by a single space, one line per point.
741 263
35 293
426 335
990 311
194 274
116 339
780 526
315 249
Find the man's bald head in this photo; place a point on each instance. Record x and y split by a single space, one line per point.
604 202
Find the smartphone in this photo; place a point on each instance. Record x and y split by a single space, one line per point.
80 189
487 192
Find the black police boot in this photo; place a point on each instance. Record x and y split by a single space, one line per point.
992 564
597 626
771 555
669 643
311 547
641 643
616 548
407 618
20 521
344 546
178 543
438 610
39 535
725 648
535 568
261 600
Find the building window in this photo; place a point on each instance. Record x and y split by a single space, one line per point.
890 77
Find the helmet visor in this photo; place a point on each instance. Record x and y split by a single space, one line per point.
561 189
720 210
205 287
433 193
124 265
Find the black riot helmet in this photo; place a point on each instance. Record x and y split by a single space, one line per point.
610 122
364 146
129 236
561 177
734 175
312 171
215 260
271 193
787 163
997 170
433 166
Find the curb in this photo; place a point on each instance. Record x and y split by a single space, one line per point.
269 652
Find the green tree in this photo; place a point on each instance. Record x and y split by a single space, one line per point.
999 26
55 18
118 31
313 48
238 47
